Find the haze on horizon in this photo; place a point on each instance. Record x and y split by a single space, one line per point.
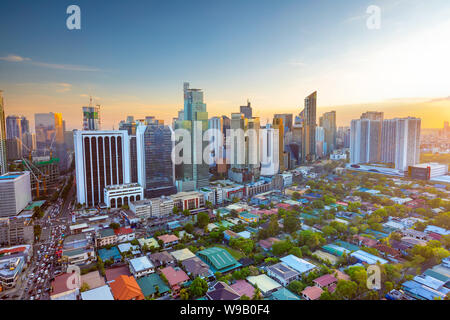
133 58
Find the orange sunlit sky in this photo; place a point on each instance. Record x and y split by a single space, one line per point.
273 53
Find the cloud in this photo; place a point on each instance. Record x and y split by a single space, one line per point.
14 58
68 67
444 99
63 87
297 63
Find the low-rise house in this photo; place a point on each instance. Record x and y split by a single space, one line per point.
364 241
387 251
283 294
218 259
195 267
124 234
248 217
152 284
182 254
128 247
100 293
326 281
243 288
141 266
365 257
264 283
112 274
176 278
416 234
302 266
282 273
312 293
148 242
105 237
60 289
111 254
10 270
222 291
168 240
162 259
228 235
126 288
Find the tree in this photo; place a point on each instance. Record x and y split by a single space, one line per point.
189 228
346 290
186 212
184 294
281 247
198 287
202 219
114 225
296 287
257 294
291 223
84 287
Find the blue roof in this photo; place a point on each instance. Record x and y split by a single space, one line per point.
420 291
297 264
106 254
284 294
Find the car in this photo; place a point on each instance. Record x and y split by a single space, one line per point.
32 298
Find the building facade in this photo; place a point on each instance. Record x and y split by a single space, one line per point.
102 158
15 193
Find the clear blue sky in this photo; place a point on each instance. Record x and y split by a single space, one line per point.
134 55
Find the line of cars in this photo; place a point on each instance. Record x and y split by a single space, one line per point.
46 266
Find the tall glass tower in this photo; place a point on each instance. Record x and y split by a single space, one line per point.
3 168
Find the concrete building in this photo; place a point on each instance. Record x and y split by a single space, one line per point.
102 158
16 230
15 193
118 195
91 117
308 115
3 161
188 200
427 171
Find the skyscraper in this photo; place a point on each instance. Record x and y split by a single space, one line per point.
91 117
321 145
193 175
328 123
287 120
14 137
373 115
3 162
101 159
401 142
156 171
309 128
25 125
217 139
246 110
365 141
278 124
45 130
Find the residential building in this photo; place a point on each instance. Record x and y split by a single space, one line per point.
308 115
105 237
328 123
282 273
427 171
168 240
126 288
247 110
16 230
141 266
365 141
176 278
222 291
264 283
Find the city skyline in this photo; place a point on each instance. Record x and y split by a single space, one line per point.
273 57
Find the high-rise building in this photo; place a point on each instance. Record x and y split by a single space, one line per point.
373 115
194 175
309 128
14 127
3 161
91 117
321 144
247 110
279 124
217 139
400 143
25 123
365 141
102 158
15 193
328 123
287 120
156 170
269 140
13 149
45 130
28 143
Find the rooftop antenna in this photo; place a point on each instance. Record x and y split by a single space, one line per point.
90 101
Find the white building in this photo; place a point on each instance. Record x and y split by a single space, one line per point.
270 159
427 171
15 193
287 179
338 155
141 266
118 195
102 158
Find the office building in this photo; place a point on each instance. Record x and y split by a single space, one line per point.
102 158
308 116
115 196
278 124
15 193
14 127
91 117
3 161
25 124
427 171
287 120
328 123
247 110
155 168
217 138
321 145
194 175
16 230
45 130
44 174
28 143
269 140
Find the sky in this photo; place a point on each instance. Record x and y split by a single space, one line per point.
133 56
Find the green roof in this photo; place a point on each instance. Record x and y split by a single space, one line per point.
149 283
75 252
219 258
35 204
106 232
284 294
436 275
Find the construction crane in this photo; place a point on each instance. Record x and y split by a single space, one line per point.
42 176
